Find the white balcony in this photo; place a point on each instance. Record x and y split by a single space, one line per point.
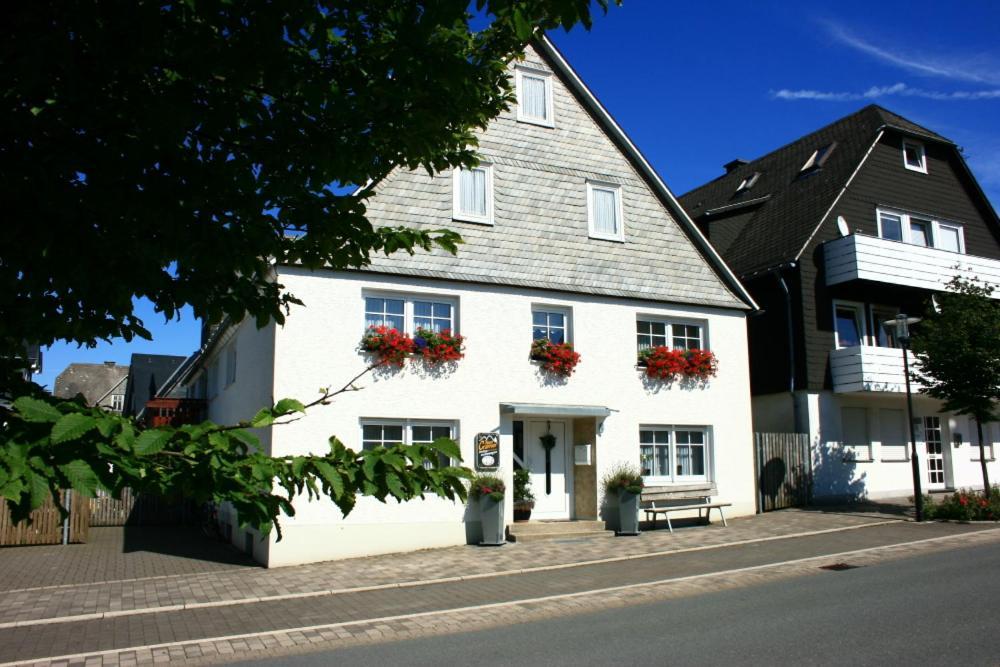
860 257
869 369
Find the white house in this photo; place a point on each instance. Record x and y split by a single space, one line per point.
569 234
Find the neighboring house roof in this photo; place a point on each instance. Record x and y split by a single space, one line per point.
95 381
771 223
147 374
539 244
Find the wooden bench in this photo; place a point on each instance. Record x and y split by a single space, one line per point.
678 498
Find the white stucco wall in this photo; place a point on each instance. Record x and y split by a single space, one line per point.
889 472
240 400
317 347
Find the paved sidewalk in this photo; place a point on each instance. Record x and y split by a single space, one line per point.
456 605
111 581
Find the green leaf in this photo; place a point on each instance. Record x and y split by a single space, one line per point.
72 426
287 405
151 441
263 418
446 446
395 486
81 476
34 410
246 437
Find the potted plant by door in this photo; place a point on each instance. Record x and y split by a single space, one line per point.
488 491
624 481
524 499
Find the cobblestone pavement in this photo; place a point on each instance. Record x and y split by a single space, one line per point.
260 629
109 576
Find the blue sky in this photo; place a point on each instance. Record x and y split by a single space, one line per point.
698 84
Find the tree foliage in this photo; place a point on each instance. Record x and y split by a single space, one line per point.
51 444
958 347
173 151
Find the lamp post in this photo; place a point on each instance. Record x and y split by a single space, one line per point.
901 325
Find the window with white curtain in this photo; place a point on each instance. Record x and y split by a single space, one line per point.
922 230
473 194
604 211
674 454
534 96
409 312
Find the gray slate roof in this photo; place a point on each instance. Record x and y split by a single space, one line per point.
94 381
540 236
147 374
774 231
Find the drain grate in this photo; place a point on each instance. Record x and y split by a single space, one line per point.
838 567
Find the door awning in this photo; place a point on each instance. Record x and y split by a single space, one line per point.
554 410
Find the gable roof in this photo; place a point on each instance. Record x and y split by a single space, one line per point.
783 210
146 375
94 381
540 237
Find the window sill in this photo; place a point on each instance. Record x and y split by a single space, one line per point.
990 460
850 460
895 460
458 217
602 237
535 121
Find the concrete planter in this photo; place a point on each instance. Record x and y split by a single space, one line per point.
494 530
628 513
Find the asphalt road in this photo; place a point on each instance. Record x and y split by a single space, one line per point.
939 609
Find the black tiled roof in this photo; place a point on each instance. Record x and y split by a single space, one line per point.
767 233
147 374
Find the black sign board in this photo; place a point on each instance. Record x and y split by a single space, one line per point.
487 451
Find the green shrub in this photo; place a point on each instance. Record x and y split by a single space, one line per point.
965 505
487 485
622 477
522 486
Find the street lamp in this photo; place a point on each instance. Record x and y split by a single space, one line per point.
901 326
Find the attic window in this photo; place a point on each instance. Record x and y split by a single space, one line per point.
914 157
534 96
818 157
748 182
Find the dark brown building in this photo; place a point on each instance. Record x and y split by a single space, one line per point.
834 234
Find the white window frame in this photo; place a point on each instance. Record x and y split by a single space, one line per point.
923 156
549 120
935 228
669 324
408 299
816 161
673 477
456 199
117 402
407 425
607 187
566 312
861 311
748 182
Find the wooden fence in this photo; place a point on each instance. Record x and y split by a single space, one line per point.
784 470
46 526
134 509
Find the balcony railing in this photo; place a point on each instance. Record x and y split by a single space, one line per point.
860 257
875 369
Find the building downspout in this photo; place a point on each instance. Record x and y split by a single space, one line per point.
791 342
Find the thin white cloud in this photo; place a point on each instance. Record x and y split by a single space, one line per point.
876 92
983 68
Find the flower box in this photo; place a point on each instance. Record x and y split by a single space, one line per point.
665 364
390 346
438 346
556 358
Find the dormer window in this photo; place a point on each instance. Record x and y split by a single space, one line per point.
534 96
604 211
818 157
473 194
748 182
914 157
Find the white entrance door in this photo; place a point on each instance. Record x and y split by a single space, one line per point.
551 491
935 453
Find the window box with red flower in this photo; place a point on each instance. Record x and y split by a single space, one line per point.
438 346
556 358
666 365
389 346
